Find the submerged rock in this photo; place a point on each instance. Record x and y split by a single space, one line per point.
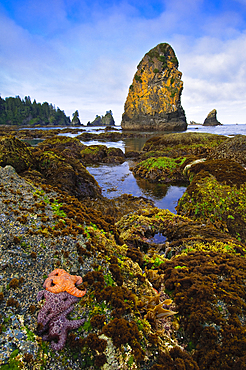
211 119
153 101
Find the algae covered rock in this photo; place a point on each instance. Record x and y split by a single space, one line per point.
63 145
167 157
60 161
136 229
57 162
161 170
100 153
185 141
153 101
15 153
216 196
211 119
208 290
68 175
233 148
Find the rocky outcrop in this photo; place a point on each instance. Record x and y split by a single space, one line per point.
211 119
233 148
56 162
15 153
153 101
101 154
106 120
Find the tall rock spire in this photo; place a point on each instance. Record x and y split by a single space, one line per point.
153 101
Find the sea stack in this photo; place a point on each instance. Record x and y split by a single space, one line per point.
153 102
211 119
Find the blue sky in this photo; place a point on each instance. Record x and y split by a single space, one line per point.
83 54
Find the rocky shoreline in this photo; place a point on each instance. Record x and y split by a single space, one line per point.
133 284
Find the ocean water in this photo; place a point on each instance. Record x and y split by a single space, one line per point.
227 130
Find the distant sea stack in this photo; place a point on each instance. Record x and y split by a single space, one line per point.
153 101
211 119
106 120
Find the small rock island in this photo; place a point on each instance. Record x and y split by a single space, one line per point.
106 120
211 119
154 97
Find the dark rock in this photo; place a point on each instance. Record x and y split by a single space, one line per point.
211 119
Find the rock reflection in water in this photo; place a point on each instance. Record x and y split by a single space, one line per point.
116 180
133 145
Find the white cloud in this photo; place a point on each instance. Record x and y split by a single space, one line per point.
86 60
214 74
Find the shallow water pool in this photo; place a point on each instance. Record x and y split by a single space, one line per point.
116 180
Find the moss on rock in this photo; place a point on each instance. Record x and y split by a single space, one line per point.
160 169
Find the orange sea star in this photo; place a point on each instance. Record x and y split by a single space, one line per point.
61 281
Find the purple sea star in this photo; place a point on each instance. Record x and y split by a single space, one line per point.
59 327
54 305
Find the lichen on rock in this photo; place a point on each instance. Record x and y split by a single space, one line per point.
153 101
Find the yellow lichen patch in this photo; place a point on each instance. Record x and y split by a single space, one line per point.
156 88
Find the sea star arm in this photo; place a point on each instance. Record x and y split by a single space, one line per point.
40 295
75 324
75 291
57 272
78 280
61 342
